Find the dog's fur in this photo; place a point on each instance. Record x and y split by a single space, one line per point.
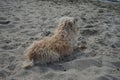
50 49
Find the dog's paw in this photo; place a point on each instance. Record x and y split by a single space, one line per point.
27 64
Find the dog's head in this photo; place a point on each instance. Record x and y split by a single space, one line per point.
68 23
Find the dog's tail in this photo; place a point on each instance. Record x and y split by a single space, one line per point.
29 55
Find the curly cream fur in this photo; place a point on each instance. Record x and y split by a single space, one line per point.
50 49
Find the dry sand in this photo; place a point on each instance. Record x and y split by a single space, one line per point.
23 21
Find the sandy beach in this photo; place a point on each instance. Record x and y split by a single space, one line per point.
24 21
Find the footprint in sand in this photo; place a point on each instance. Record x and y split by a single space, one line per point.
89 26
4 74
7 26
6 41
116 64
89 32
11 67
10 46
4 20
6 59
116 45
45 33
106 77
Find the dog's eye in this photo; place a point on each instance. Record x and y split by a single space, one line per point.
70 24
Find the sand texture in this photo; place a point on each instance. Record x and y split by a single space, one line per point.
23 21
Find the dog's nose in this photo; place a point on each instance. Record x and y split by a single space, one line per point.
75 19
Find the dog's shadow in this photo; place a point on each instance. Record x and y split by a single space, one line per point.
59 65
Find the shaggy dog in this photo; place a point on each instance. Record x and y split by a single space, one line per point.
50 49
